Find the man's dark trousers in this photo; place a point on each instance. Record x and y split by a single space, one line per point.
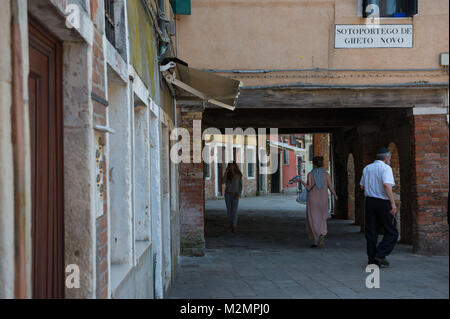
378 214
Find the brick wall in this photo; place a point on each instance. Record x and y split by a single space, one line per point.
210 185
419 146
429 151
322 148
102 257
100 118
351 187
192 198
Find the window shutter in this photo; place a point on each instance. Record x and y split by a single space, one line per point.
181 6
413 8
292 139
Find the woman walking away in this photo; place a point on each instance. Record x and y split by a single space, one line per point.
233 190
319 182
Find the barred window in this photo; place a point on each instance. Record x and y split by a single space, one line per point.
109 22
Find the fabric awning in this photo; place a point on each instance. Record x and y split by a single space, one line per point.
209 87
287 146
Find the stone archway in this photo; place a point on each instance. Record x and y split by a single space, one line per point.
351 187
395 164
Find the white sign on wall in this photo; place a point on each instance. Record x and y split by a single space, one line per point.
360 36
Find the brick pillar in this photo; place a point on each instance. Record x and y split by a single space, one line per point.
366 147
322 148
340 177
192 195
429 156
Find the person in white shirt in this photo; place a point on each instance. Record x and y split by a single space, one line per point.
377 181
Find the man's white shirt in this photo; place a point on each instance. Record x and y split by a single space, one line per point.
374 176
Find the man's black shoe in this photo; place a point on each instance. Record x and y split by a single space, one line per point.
382 262
373 262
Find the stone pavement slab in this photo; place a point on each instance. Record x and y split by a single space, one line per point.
270 258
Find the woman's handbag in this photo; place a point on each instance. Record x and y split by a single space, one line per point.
303 196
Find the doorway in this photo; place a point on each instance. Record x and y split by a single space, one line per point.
46 136
275 178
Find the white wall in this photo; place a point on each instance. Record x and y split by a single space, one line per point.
120 175
155 172
165 201
142 174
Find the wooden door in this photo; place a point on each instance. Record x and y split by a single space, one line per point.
46 133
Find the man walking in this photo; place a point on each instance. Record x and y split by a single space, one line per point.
377 182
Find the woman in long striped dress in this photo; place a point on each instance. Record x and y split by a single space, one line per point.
318 184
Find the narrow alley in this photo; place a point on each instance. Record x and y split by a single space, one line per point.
270 258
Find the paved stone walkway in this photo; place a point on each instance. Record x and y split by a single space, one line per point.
270 257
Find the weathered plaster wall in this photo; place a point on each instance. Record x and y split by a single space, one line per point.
165 209
120 174
155 201
137 284
299 34
79 169
431 37
142 174
143 52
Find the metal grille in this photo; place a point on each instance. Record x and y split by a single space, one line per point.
109 22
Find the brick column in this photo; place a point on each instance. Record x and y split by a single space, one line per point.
367 146
322 148
429 156
192 195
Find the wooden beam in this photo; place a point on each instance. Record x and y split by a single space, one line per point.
288 98
318 119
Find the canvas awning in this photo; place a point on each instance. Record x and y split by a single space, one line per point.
287 146
209 87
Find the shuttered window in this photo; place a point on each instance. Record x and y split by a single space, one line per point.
181 6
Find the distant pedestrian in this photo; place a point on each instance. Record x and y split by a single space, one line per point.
377 182
319 182
233 190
